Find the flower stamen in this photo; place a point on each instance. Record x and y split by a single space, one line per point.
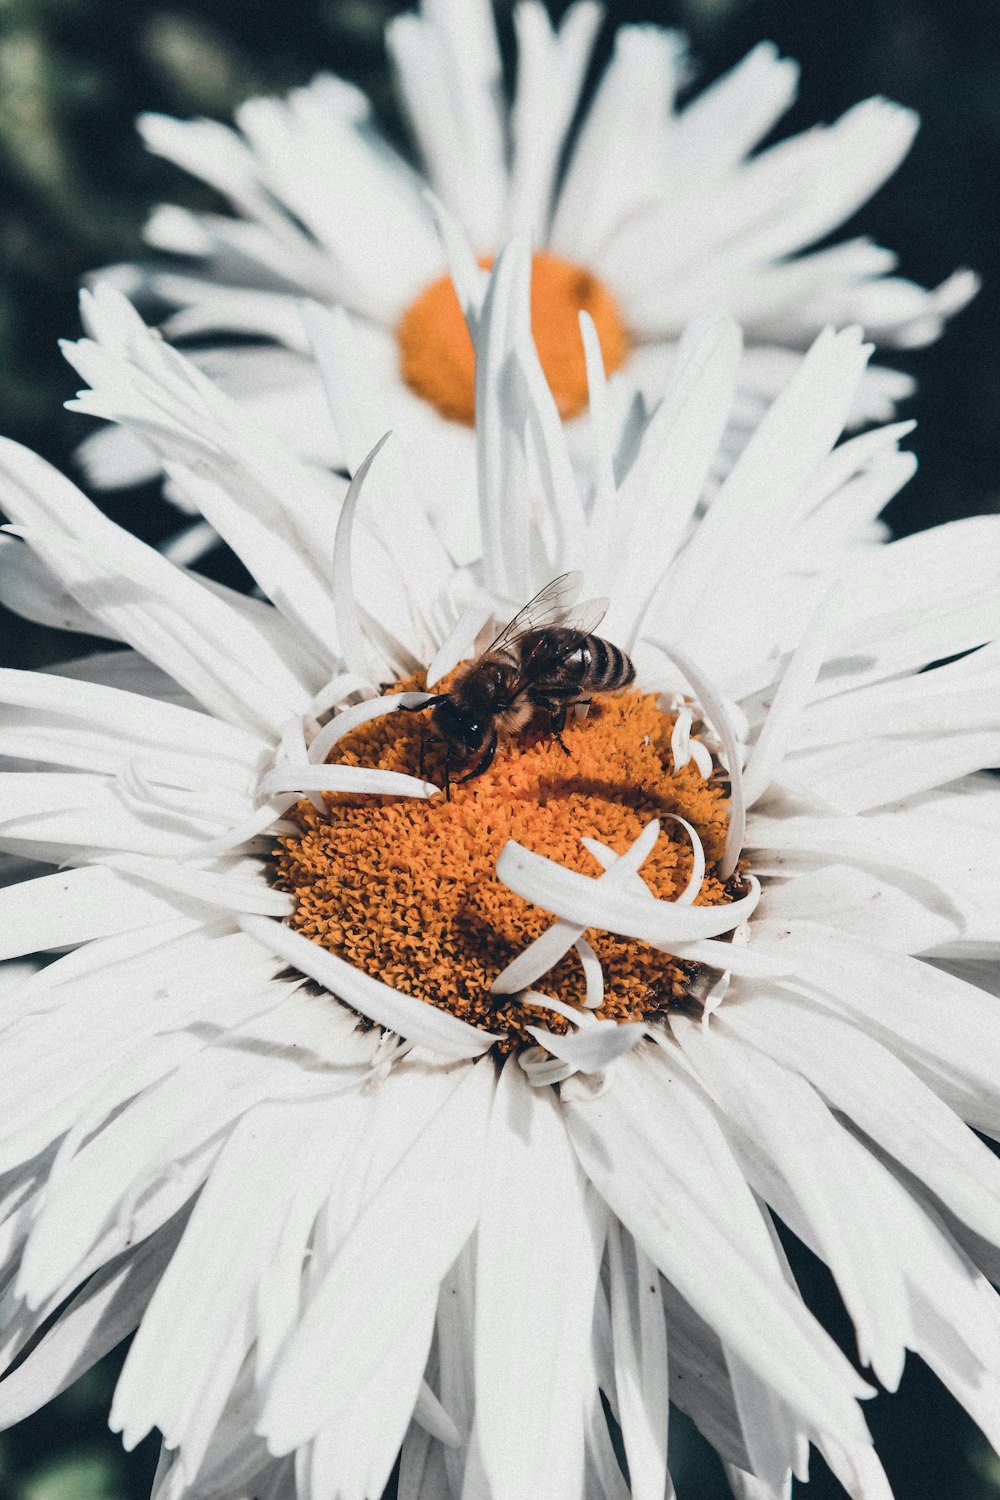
405 889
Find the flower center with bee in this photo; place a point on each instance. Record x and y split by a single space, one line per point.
435 349
543 741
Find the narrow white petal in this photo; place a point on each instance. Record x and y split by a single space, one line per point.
418 1021
714 708
353 645
594 1048
447 59
538 1258
789 701
863 1080
199 1322
202 885
75 906
336 778
640 1349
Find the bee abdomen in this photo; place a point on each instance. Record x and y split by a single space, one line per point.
596 666
605 668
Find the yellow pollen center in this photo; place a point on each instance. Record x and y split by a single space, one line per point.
405 889
435 350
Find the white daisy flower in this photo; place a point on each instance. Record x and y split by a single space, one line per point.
662 214
729 958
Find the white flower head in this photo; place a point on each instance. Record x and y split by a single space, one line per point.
663 213
729 957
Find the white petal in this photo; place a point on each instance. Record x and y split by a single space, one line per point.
412 1228
538 1260
200 1321
74 906
360 713
417 1020
447 59
203 885
748 516
640 1345
355 779
592 1049
861 1079
545 952
783 1122
790 700
550 71
175 1124
396 506
672 1207
588 903
99 1317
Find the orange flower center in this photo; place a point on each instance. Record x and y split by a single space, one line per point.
435 350
405 889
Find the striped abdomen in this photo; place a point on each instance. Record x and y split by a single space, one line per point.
576 667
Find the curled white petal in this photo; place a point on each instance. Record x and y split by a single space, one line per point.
589 903
593 974
680 739
359 779
360 713
715 996
414 1019
341 685
433 1418
265 820
702 757
714 709
459 642
293 743
561 1007
546 951
350 634
610 860
592 1049
541 1069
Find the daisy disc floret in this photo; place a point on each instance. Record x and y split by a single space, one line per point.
655 209
350 1219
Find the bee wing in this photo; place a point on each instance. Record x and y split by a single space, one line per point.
542 652
552 605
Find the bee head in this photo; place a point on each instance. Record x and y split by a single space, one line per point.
458 727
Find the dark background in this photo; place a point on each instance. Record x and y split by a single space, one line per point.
75 186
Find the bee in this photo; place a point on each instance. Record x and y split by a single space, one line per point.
547 659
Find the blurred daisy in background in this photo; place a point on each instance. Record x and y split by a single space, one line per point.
399 1123
657 213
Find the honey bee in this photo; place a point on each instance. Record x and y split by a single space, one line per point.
547 659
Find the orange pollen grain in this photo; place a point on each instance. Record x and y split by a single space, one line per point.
435 350
405 889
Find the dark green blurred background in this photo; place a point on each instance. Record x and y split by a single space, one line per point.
74 189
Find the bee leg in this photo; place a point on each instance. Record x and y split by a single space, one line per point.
557 717
410 708
425 740
484 764
447 773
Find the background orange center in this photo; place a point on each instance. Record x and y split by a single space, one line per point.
436 355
